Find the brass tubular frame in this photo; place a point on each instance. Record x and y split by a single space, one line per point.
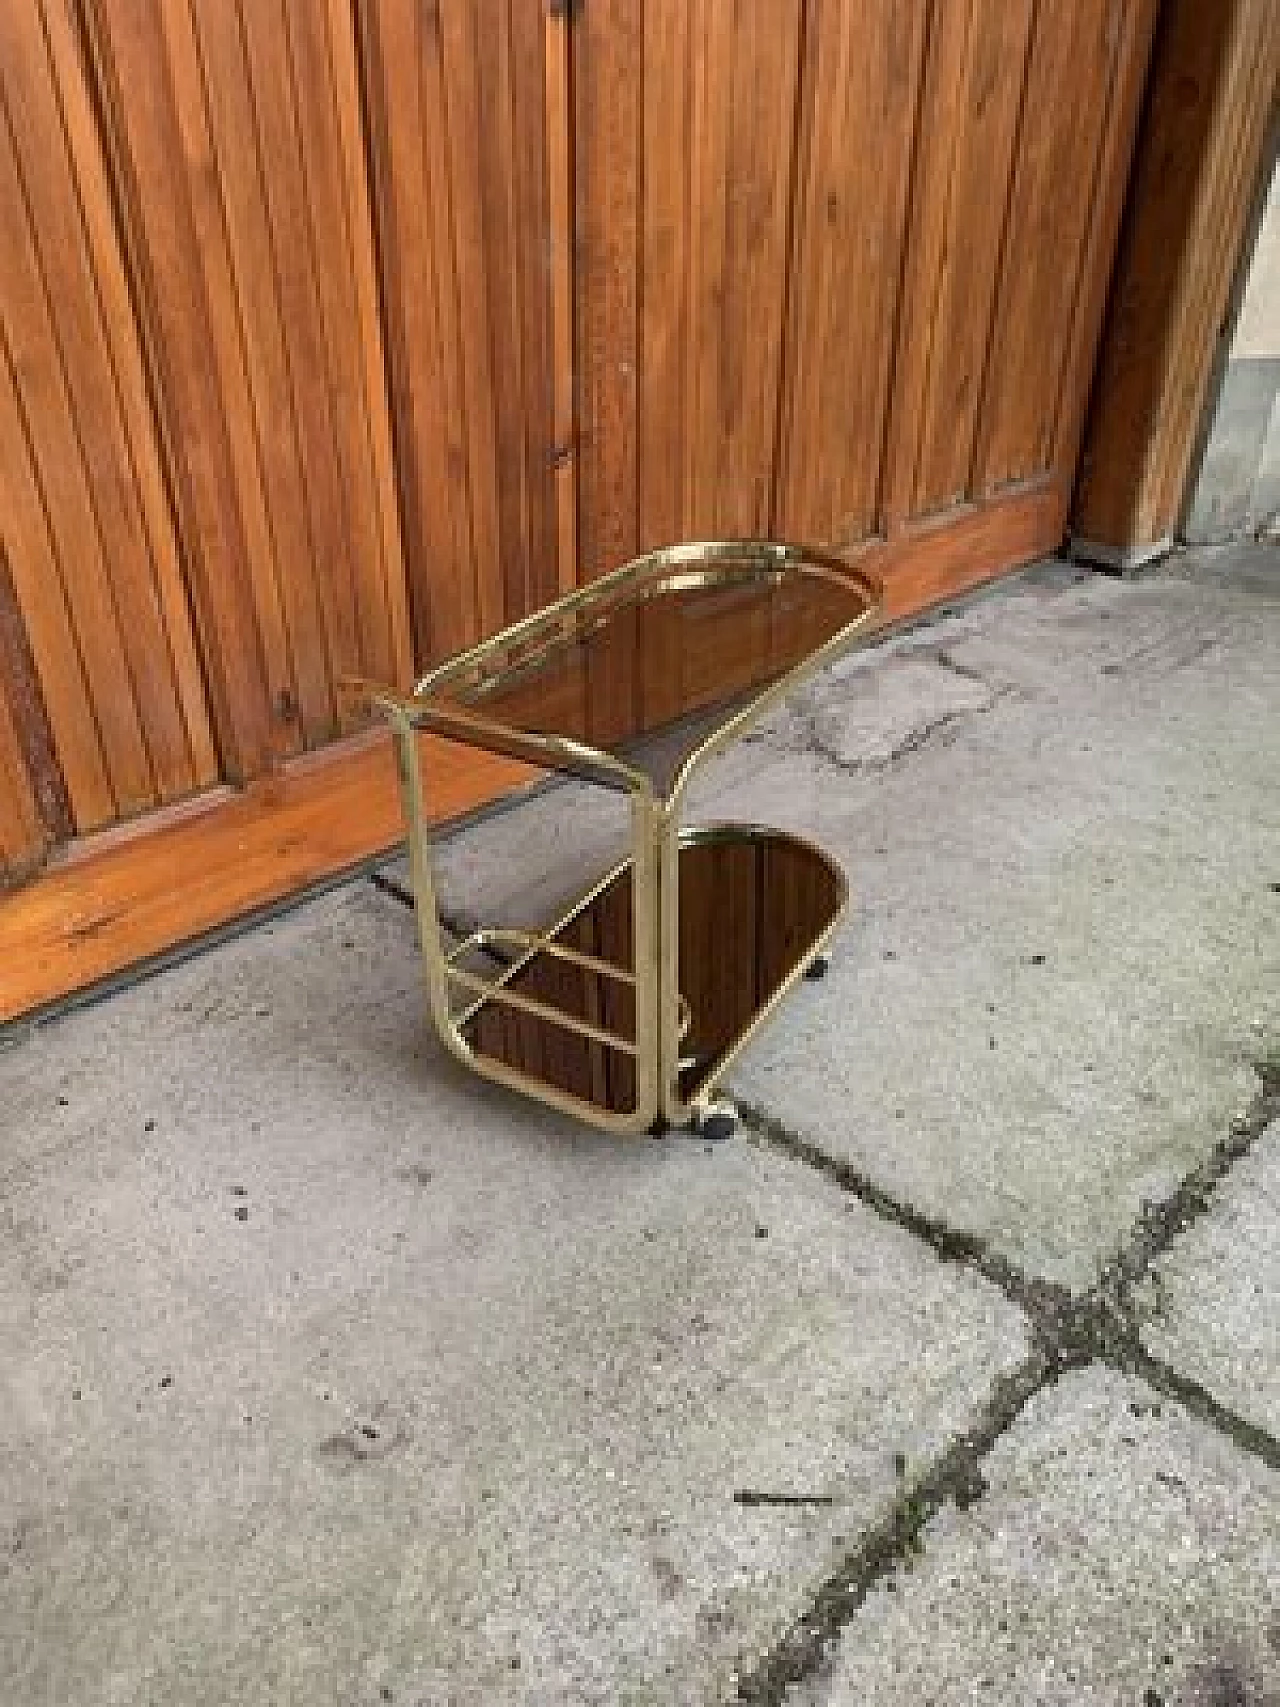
661 1013
681 1110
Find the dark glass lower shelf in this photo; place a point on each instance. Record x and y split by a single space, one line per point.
755 906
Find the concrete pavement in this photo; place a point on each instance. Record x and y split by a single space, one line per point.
331 1375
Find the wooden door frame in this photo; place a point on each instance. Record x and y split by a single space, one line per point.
1208 131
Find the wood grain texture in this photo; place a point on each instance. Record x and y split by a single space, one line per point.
105 549
719 130
164 166
126 895
930 229
972 103
1129 85
458 108
1075 61
337 334
608 139
871 244
36 789
233 133
415 260
608 134
938 557
460 169
1212 96
861 89
124 338
348 97
560 214
39 593
539 140
22 835
253 354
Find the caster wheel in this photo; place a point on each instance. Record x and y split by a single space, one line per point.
718 1122
659 1128
817 968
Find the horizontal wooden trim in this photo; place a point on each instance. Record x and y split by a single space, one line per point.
944 555
139 890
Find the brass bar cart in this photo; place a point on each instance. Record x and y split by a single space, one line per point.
626 1010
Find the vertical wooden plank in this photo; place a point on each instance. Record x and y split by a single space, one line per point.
950 25
1074 56
1104 228
861 90
40 596
719 130
334 247
128 605
665 310
984 77
664 342
342 44
402 79
45 408
22 835
540 144
144 471
1210 103
765 70
34 760
711 94
608 104
461 160
238 143
164 165
451 309
502 263
275 102
270 433
1227 193
478 302
564 427
607 140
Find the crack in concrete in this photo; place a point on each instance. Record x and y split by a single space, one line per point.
805 709
1249 1436
895 1541
1044 1301
970 673
818 746
1068 1332
1162 1220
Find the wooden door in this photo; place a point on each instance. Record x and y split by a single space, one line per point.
208 516
338 333
842 269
